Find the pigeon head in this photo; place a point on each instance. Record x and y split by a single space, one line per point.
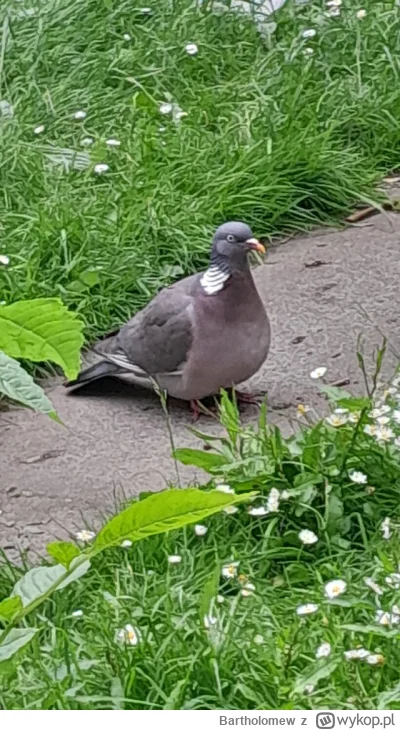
231 244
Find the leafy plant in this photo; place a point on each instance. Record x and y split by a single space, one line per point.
38 330
158 513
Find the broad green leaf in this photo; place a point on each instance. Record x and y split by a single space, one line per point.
315 674
79 571
42 330
90 278
297 573
36 582
10 607
40 581
354 404
14 641
372 629
19 386
202 459
63 552
333 393
306 479
168 510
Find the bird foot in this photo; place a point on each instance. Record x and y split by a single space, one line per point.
247 397
197 407
194 407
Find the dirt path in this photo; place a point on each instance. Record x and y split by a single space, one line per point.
54 480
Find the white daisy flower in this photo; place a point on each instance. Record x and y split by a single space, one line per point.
308 537
333 12
354 416
220 599
200 530
361 14
191 49
80 115
85 536
129 635
306 609
375 659
165 108
87 141
393 580
39 129
381 411
336 419
385 527
383 420
318 373
4 260
126 543
334 3
248 589
231 510
126 37
370 583
385 618
384 434
101 168
178 114
396 416
273 500
113 142
308 51
258 639
230 571
258 511
224 488
358 477
335 588
174 559
310 33
370 429
209 621
302 410
323 650
77 614
355 654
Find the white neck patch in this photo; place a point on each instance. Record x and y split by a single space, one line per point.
213 279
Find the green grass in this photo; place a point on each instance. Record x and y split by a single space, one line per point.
272 136
259 653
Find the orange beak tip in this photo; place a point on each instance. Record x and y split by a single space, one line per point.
255 245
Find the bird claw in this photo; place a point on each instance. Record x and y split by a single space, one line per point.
247 398
194 407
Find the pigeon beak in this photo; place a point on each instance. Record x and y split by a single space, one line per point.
254 245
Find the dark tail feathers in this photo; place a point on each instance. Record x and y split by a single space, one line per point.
94 372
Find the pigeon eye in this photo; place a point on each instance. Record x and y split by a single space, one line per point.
230 238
